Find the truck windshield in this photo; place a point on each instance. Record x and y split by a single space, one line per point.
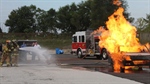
74 39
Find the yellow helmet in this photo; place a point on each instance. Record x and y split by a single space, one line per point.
8 41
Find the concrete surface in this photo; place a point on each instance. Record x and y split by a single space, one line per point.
41 73
52 74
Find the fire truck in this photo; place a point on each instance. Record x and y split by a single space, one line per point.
84 44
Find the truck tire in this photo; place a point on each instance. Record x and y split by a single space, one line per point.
122 70
140 69
110 61
104 54
99 57
79 54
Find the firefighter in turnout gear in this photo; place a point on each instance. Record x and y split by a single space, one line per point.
14 53
6 53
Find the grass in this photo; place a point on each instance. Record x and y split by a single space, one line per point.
49 41
55 43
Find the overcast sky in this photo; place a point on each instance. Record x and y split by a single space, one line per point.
137 8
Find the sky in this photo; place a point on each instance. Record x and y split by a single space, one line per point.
137 8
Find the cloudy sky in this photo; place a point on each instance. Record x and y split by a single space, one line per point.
137 8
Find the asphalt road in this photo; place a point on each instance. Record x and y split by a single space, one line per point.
93 64
57 67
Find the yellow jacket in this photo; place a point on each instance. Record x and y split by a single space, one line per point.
4 48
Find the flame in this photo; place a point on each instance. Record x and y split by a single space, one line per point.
120 37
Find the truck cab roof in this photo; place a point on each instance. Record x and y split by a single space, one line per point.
28 43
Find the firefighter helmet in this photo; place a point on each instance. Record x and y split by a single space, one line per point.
8 41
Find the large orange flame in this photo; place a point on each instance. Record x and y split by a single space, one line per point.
120 37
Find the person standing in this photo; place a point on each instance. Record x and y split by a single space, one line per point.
23 45
0 50
34 54
15 53
6 54
36 45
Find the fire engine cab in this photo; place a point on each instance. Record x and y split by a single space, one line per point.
86 44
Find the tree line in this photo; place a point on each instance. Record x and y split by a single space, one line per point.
143 24
68 19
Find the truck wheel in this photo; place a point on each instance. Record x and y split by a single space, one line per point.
110 61
140 69
122 70
99 57
104 54
79 54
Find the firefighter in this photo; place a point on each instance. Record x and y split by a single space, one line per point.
0 50
6 52
14 53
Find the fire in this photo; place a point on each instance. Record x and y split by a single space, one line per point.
121 34
120 37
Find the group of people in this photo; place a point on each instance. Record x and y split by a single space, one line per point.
35 45
34 54
9 53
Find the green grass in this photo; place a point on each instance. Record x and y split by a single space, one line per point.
55 43
50 41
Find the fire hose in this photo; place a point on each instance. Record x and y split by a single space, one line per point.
76 59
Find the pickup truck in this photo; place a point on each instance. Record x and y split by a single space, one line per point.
23 53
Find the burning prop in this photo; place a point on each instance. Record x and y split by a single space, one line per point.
119 37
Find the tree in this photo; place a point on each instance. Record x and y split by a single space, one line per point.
64 16
147 20
68 19
50 21
126 14
40 21
72 18
22 20
81 17
87 14
102 9
140 24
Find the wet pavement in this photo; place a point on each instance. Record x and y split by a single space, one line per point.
93 64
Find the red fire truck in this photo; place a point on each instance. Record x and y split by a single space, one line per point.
86 44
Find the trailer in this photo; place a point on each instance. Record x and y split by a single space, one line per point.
138 59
